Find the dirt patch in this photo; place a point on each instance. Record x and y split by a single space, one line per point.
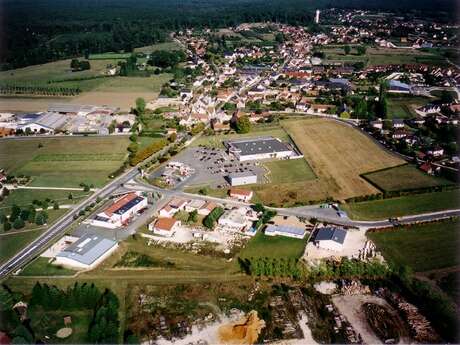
244 331
122 100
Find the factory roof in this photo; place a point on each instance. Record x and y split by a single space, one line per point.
87 249
284 229
261 145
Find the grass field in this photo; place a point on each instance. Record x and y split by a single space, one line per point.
24 197
404 108
109 56
42 267
337 154
404 177
159 46
11 244
421 247
25 157
273 247
286 171
402 206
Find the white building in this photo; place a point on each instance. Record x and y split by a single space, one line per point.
87 252
242 194
235 220
284 230
259 148
239 179
165 226
173 206
330 238
121 211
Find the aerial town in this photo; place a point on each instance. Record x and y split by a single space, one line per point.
264 181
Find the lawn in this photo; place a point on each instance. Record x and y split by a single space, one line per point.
292 170
404 177
337 154
403 206
109 56
44 164
24 197
11 244
168 46
421 247
404 108
42 267
273 247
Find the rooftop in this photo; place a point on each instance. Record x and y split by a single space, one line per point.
260 145
284 229
165 223
87 249
125 203
331 233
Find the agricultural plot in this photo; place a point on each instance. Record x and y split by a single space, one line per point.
168 46
404 108
403 206
421 247
109 56
338 154
261 246
26 157
12 243
25 197
403 177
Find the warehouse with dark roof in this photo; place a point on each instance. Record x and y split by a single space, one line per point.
259 148
330 238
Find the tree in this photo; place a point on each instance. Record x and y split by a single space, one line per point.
15 212
361 50
172 138
70 196
192 216
6 226
18 223
74 64
258 207
243 125
40 219
56 206
140 106
347 49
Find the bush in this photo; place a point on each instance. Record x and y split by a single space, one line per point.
212 217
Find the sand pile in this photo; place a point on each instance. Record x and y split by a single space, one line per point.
244 331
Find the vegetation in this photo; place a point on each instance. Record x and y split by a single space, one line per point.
421 247
42 267
291 170
210 220
135 259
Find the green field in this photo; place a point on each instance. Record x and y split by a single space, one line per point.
24 197
42 267
421 247
402 178
403 206
26 157
11 244
109 56
403 108
291 170
273 247
160 46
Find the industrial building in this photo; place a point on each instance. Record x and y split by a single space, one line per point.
239 179
87 252
330 238
259 148
285 230
121 211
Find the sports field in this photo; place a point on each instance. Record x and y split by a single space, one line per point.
87 159
286 171
404 177
421 247
337 154
402 206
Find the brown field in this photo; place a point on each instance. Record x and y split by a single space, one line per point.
122 100
338 154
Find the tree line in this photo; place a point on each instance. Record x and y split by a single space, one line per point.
15 89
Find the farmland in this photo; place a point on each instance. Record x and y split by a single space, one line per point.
26 157
261 246
10 244
402 178
402 206
421 247
338 154
25 197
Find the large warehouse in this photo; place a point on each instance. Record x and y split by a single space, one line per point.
259 148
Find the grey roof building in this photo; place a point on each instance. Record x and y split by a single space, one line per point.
285 230
87 251
330 233
258 148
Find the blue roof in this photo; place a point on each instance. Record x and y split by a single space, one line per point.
396 84
129 205
87 249
331 233
284 229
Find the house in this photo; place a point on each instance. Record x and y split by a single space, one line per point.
242 178
377 124
330 238
87 252
321 108
399 134
121 211
258 148
173 206
436 151
207 208
194 205
398 123
6 132
285 230
165 226
427 168
219 127
241 194
235 220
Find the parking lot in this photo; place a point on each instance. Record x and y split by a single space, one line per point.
212 165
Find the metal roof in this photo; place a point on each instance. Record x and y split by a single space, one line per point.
331 233
87 249
130 204
284 229
252 146
242 174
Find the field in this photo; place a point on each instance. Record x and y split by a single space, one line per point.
160 46
109 56
24 197
96 89
338 154
404 108
402 206
402 178
273 247
421 247
41 267
25 157
286 171
11 244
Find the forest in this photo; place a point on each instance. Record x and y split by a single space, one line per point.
35 32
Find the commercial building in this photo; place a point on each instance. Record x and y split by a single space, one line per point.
285 230
165 226
87 252
239 179
258 148
121 211
330 238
